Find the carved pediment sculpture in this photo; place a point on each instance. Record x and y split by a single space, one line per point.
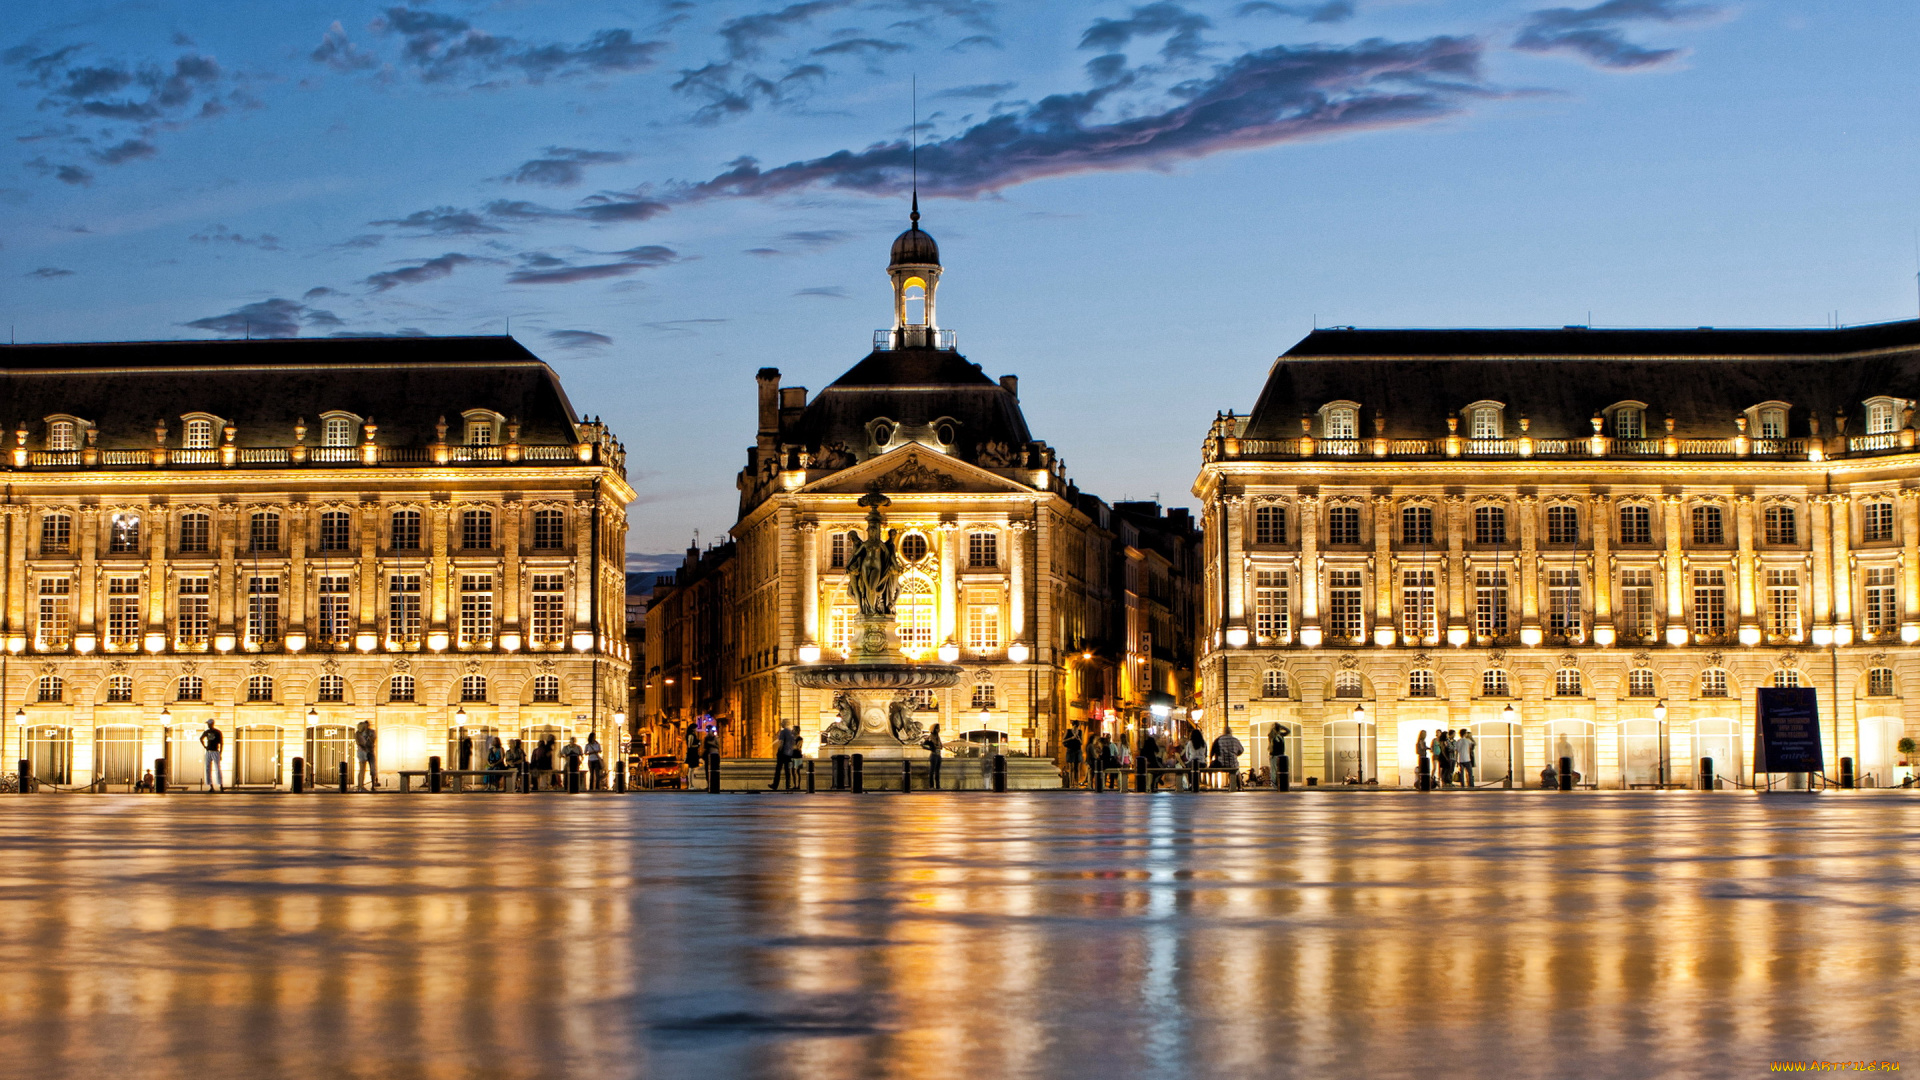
913 475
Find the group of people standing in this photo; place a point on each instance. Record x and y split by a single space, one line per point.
1101 764
1449 755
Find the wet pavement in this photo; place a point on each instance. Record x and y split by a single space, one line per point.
984 936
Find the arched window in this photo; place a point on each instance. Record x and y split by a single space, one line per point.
913 547
1880 682
338 432
1629 422
1563 525
479 432
1484 422
546 689
119 689
1880 417
263 531
915 296
1713 682
473 688
50 688
913 615
1348 684
1273 683
1493 683
1340 422
1786 677
476 529
983 696
400 688
1640 683
260 688
336 530
1421 683
60 436
1566 682
190 688
198 435
331 688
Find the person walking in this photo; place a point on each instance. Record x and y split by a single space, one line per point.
496 761
1442 748
212 741
1463 748
1150 758
366 755
693 757
933 746
988 751
782 753
466 751
1277 762
596 762
1194 756
1074 747
1099 760
540 762
1423 777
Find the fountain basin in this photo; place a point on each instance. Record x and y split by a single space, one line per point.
877 676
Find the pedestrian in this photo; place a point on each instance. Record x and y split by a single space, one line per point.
1098 763
516 761
540 762
466 751
693 753
1423 778
933 746
782 751
212 741
1548 778
1074 747
1226 753
1150 758
1463 748
366 755
596 762
145 783
710 746
988 750
1443 756
1194 756
496 761
571 753
1277 762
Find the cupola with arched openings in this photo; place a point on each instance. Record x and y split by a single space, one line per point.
915 271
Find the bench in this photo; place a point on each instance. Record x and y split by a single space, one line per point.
1234 778
459 777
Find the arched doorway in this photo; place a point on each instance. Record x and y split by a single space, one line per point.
256 754
1350 751
116 753
329 746
1879 751
1497 754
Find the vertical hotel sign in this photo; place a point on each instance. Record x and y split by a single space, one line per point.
1787 737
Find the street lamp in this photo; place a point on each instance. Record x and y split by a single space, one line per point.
460 716
1660 726
313 716
1512 718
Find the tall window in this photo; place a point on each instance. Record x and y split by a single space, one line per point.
840 624
119 689
404 530
1269 524
263 532
983 627
1566 682
55 626
1493 683
1563 525
1629 423
1636 524
263 611
1786 678
123 612
1344 621
336 618
1489 525
1416 526
1273 683
331 689
50 688
984 696
837 551
191 613
1640 683
479 432
1880 682
56 534
1708 525
189 688
60 436
1485 423
983 550
549 610
260 688
1421 683
338 432
1490 603
1709 603
1773 423
1877 522
1270 613
1418 619
1343 525
914 616
336 530
1880 418
549 529
476 529
198 435
1783 604
123 534
1563 603
1348 684
546 689
195 529
476 610
403 609
1340 423
1636 604
400 688
473 688
1782 525
1881 616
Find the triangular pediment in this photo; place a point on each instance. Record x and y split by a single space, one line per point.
912 470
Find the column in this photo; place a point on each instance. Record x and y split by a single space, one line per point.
510 518
1309 573
14 519
1676 574
1383 570
1018 533
1600 568
1454 516
1529 569
297 587
159 534
807 537
227 521
436 582
1820 611
370 583
88 542
1842 569
1232 507
1910 564
1743 533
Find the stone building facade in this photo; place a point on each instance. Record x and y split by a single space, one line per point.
290 537
1576 543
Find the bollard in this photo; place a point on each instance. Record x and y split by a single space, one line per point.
1706 774
1566 774
1140 774
433 774
620 780
1846 774
26 776
906 775
1425 781
809 776
999 772
299 775
859 766
1194 778
159 776
713 774
841 778
1286 772
573 776
343 778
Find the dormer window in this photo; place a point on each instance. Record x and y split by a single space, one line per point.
1484 420
1629 420
199 434
338 431
479 433
60 436
1771 421
1340 420
1883 415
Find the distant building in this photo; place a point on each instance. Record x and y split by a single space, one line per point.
291 537
692 653
1589 544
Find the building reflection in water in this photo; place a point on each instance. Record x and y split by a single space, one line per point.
1019 935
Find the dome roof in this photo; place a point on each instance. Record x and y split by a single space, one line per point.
915 246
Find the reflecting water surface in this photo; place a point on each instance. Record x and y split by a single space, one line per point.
1044 935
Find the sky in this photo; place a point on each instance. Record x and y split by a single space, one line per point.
1139 206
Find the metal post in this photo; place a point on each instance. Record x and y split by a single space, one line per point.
299 775
160 776
573 776
906 775
1846 774
1706 774
1286 772
841 773
1566 774
620 779
713 773
809 776
1139 773
859 774
999 772
343 778
433 774
1424 774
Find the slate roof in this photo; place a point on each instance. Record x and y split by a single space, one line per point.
404 385
1559 379
912 386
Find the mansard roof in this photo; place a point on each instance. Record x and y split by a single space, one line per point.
402 384
914 388
1560 379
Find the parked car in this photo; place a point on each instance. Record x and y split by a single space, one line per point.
664 770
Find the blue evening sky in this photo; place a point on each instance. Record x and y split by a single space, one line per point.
1139 206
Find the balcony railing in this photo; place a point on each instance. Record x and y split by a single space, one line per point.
1221 445
914 337
299 456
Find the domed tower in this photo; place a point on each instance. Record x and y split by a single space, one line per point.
915 270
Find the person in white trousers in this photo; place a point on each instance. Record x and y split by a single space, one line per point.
213 741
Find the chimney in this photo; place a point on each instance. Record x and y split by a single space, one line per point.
1011 384
793 397
769 380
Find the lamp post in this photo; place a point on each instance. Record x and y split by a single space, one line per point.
1359 734
1512 717
1660 730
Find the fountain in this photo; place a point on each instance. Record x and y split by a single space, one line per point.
873 686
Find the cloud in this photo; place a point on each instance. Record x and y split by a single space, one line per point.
1181 26
681 326
443 47
220 234
66 174
1327 12
746 35
817 238
976 41
562 166
275 318
1594 33
731 91
443 221
540 268
860 47
983 91
48 273
578 339
1263 98
358 243
147 96
317 292
830 292
341 54
130 150
430 270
